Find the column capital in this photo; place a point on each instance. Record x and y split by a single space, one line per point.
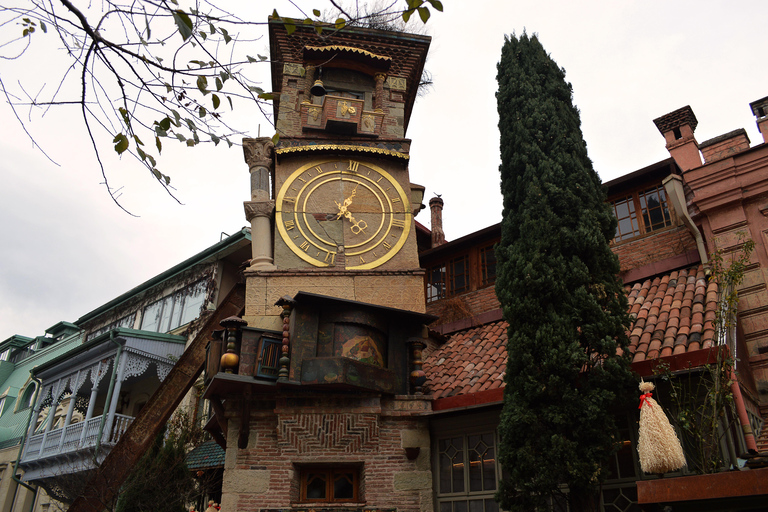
255 209
258 152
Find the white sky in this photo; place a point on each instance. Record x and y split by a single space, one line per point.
65 249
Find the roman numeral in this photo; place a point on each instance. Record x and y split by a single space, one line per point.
330 257
289 199
398 223
289 225
395 199
305 245
386 245
302 179
362 260
319 170
353 166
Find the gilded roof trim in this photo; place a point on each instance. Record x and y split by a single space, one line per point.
341 48
341 147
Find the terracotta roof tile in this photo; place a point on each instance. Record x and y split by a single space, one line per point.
672 315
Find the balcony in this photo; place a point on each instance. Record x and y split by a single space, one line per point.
89 398
341 115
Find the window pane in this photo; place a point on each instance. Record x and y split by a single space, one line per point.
491 506
459 506
151 317
488 263
476 506
446 506
436 283
451 465
655 209
315 486
165 316
193 303
343 486
459 276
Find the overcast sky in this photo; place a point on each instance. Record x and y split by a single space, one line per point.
66 249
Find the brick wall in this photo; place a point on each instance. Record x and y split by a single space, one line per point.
369 433
655 247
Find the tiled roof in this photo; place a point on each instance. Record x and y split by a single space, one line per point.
471 360
671 315
207 455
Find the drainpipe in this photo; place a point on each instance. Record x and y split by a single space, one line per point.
109 391
741 410
21 447
673 186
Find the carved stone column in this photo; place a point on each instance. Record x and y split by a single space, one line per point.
258 211
378 100
259 214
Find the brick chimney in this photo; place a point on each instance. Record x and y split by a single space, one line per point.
724 145
436 207
677 128
760 109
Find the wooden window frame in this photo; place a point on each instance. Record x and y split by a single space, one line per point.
485 280
638 214
329 472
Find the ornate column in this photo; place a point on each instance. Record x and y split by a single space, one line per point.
378 100
259 210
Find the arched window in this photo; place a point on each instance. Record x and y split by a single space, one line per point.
26 397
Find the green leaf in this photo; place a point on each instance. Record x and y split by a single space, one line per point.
290 26
204 35
181 137
262 57
219 84
190 143
251 59
138 140
437 5
183 23
340 23
165 124
43 27
307 21
167 179
215 139
121 143
159 145
224 76
267 96
202 84
231 107
125 116
202 112
224 33
157 174
168 87
407 15
424 14
177 117
216 101
319 29
316 12
212 28
25 32
275 138
257 90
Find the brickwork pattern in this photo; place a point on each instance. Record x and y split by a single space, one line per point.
280 444
330 433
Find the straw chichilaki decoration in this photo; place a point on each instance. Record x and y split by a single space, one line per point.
658 446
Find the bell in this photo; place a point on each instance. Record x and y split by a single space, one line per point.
317 89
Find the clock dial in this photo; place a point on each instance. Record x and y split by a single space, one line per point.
343 212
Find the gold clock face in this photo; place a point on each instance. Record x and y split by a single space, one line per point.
346 213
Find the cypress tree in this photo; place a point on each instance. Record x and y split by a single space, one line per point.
559 291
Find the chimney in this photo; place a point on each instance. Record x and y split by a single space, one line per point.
436 207
760 109
724 146
677 128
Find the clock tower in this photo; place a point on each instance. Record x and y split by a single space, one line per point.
332 206
317 391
